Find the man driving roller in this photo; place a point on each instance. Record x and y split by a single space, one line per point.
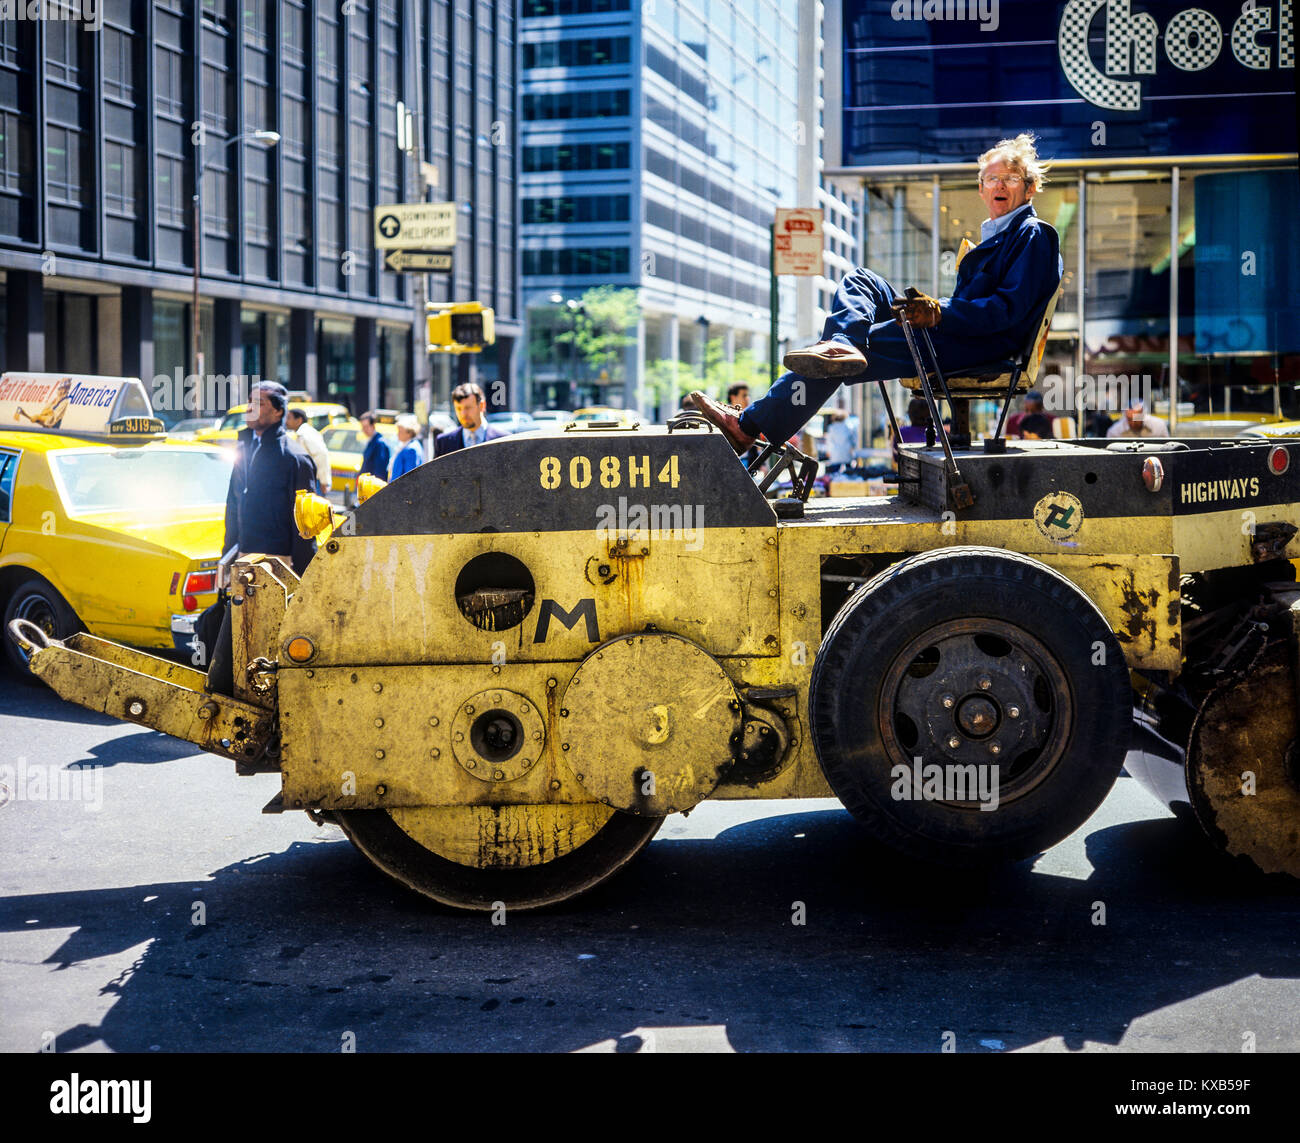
1003 286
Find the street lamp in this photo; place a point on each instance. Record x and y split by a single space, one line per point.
266 139
703 323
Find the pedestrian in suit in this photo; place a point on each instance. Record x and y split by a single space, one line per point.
1003 287
470 404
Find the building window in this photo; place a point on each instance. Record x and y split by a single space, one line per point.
119 179
572 7
598 51
171 190
62 50
119 71
15 151
577 105
582 208
63 165
578 261
167 82
578 157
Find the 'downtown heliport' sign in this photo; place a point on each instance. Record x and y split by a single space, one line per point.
934 81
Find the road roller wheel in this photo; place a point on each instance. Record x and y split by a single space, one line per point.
1243 766
474 857
966 678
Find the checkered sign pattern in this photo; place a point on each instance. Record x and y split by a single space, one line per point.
1193 39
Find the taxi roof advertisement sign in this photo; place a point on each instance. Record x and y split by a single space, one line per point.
66 403
921 82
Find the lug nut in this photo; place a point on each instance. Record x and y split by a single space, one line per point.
985 683
498 774
948 702
954 742
1013 712
994 748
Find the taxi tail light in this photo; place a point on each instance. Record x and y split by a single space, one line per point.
195 584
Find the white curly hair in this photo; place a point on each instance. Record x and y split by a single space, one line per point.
1021 154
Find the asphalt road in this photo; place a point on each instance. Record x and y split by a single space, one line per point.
692 948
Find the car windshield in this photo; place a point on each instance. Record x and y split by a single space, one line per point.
233 420
142 481
344 440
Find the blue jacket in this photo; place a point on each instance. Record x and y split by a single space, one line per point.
259 503
1002 287
455 440
407 457
375 458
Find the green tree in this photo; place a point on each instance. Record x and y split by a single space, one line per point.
602 329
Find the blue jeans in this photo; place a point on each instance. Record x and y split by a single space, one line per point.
862 318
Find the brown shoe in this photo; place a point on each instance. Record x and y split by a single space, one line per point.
725 418
826 359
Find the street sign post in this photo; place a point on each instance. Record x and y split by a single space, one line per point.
419 261
799 242
415 226
796 249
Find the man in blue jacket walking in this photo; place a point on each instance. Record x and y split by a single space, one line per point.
1003 286
376 457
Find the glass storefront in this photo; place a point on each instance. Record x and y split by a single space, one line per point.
337 362
394 366
1237 293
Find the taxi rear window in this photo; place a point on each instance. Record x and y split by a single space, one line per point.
233 421
141 480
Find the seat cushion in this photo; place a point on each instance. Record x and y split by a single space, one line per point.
978 381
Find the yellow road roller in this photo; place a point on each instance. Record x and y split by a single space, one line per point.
505 670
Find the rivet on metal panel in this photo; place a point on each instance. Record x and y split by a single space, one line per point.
498 774
377 687
523 708
379 754
378 723
135 708
550 682
311 674
381 790
459 736
496 696
433 720
470 764
555 783
435 752
566 746
496 670
469 708
564 714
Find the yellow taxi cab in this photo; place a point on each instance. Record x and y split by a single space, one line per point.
1272 430
320 415
347 443
105 524
605 413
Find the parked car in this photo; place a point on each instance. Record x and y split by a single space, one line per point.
106 523
187 430
511 422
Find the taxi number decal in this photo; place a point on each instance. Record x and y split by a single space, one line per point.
609 470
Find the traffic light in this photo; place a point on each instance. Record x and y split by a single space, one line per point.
460 327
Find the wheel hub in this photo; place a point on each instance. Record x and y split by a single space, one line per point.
982 692
978 716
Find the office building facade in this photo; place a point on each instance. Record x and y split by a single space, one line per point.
658 140
103 129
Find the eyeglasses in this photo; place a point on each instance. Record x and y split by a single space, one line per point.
999 181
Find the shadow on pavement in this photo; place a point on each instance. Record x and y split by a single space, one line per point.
303 946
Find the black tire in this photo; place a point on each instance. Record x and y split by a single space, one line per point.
899 676
36 600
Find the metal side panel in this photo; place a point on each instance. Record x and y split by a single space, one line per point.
152 692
